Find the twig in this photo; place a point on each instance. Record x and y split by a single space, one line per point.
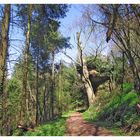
70 58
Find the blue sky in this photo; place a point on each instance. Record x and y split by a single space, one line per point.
18 39
75 15
68 29
17 42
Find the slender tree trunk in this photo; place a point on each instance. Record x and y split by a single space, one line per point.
52 87
131 58
38 105
32 104
123 70
85 73
24 109
37 93
44 103
135 73
60 88
3 56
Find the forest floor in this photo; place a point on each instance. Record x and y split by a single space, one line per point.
77 126
74 124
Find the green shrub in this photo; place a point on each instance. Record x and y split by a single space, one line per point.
127 87
131 97
118 108
92 113
18 132
53 128
121 109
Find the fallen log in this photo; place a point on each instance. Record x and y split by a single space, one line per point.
25 128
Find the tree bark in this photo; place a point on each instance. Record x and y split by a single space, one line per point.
60 88
37 93
123 70
52 88
24 109
3 57
135 73
85 73
45 94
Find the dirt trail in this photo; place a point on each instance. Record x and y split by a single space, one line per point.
77 126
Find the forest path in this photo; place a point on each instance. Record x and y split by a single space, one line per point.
77 126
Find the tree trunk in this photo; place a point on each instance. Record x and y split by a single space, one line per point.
39 117
135 73
24 109
3 57
60 88
85 73
123 70
37 93
52 88
44 103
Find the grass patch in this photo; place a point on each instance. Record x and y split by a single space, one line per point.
116 110
52 128
67 114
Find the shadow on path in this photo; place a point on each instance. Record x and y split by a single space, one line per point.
77 126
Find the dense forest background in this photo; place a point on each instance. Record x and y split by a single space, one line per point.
103 80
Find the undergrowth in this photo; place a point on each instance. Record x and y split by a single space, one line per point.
116 109
52 128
